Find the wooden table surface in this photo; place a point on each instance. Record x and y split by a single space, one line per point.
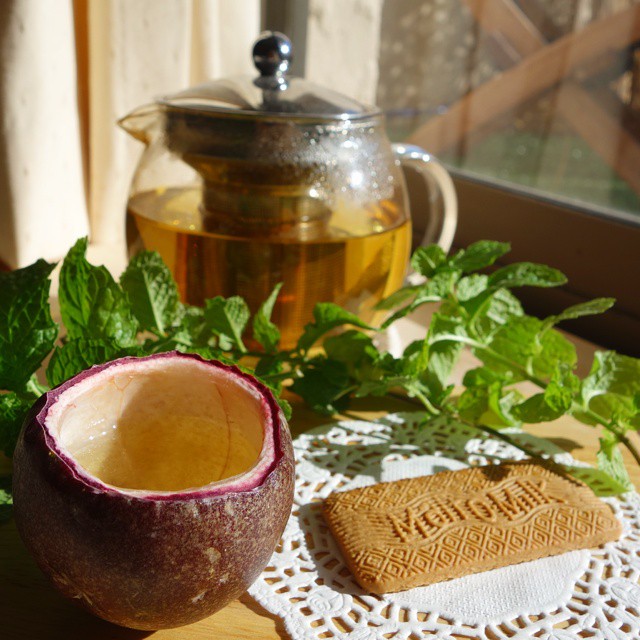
30 609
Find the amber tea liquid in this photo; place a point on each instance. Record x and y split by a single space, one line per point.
360 257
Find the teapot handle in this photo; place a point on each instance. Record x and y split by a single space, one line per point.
432 171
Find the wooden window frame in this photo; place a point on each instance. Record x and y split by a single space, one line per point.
599 253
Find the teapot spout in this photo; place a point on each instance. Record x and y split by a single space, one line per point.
141 122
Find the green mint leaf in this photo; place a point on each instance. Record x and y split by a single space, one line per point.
27 332
484 377
6 500
522 274
612 372
445 327
431 366
13 410
490 310
502 403
471 286
264 331
152 292
435 290
92 304
473 403
268 369
327 316
269 365
563 388
227 318
378 388
479 255
286 408
398 297
611 387
414 359
355 350
386 372
80 354
600 482
35 388
610 461
427 260
554 350
487 405
523 342
557 399
210 353
443 353
415 388
440 286
584 417
513 346
490 405
590 308
323 386
192 330
383 386
535 409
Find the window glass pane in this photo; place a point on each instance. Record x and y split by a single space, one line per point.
543 95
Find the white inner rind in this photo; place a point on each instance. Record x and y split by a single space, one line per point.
163 425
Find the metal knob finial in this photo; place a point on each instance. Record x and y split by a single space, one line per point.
272 54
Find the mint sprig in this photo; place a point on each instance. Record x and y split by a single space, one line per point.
92 304
265 332
27 332
336 357
152 292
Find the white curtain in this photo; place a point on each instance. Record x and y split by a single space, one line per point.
343 45
68 71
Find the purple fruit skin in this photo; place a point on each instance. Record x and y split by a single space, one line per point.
147 563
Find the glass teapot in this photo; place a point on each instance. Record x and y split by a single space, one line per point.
249 182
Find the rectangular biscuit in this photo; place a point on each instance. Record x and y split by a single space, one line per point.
409 533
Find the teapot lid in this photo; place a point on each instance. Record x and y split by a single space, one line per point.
272 93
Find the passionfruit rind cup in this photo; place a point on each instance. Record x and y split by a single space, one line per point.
152 559
58 400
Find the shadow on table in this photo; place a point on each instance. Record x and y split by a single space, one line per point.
367 408
31 609
258 609
332 568
355 457
348 460
565 444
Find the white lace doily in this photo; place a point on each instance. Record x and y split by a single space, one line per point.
581 594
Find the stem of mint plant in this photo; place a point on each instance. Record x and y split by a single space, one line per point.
426 402
617 432
629 445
